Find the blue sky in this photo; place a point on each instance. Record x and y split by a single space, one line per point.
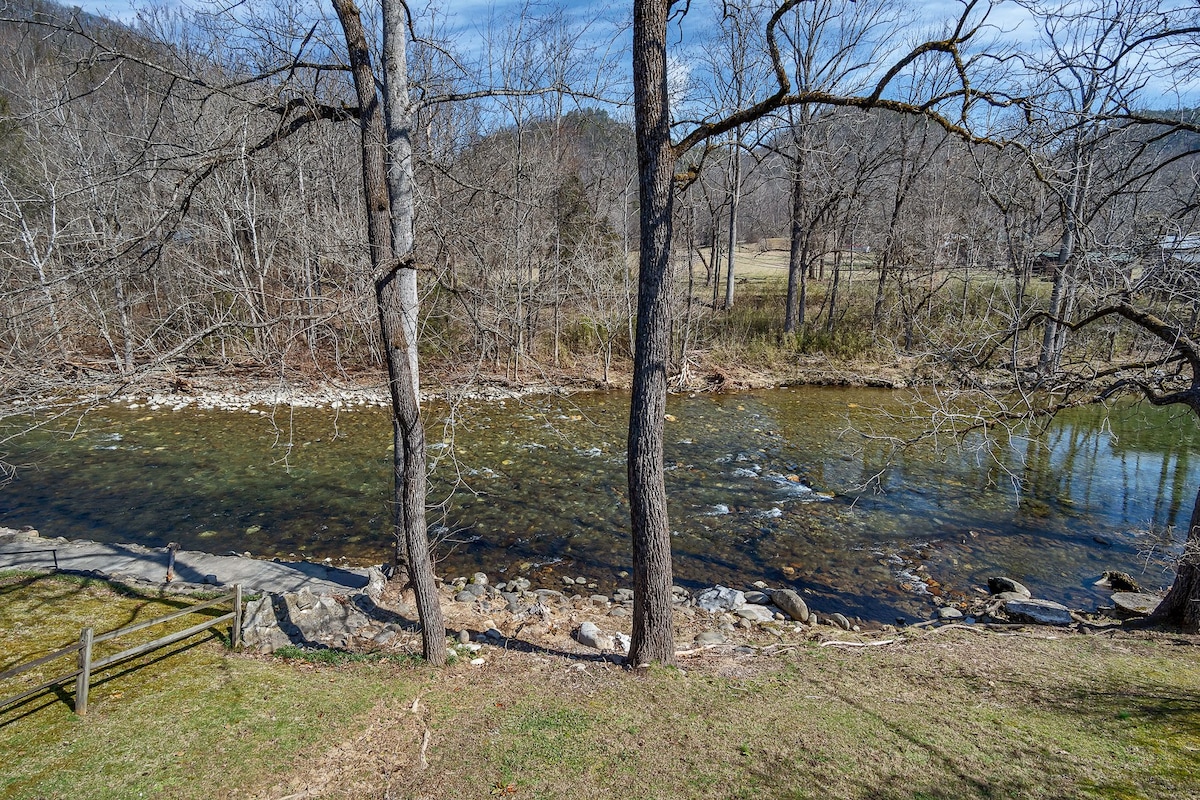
1010 20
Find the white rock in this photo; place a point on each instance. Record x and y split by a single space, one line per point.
721 598
756 613
590 635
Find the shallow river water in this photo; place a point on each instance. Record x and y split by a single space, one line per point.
775 485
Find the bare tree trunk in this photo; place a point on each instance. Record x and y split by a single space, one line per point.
797 286
653 637
735 196
1062 296
685 339
391 299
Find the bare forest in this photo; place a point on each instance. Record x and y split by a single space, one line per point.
184 189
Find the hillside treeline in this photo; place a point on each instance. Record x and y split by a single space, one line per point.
186 188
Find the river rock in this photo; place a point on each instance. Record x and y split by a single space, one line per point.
710 637
840 621
465 597
721 598
480 578
791 604
756 613
1121 582
590 635
1138 604
999 585
949 613
1038 612
758 598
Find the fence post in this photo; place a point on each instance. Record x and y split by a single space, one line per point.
85 670
235 637
171 549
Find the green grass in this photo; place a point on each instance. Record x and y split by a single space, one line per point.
949 715
333 657
191 720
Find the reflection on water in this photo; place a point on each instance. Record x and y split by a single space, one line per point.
771 485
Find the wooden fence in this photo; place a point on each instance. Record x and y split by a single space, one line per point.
85 666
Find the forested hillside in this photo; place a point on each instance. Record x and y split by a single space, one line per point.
185 188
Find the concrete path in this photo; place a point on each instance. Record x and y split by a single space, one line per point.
28 550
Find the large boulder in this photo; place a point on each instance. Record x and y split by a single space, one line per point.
302 618
790 603
1038 612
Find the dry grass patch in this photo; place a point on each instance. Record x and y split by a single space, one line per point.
966 716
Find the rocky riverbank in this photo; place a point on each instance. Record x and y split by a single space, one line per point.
229 387
574 618
319 605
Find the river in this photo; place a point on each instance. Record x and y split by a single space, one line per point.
778 485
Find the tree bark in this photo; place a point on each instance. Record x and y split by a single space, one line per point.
397 114
408 429
797 286
653 637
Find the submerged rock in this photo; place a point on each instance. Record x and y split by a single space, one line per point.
1121 582
1038 612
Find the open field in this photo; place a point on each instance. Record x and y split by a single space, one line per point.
956 714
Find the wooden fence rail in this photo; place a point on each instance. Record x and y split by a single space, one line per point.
85 666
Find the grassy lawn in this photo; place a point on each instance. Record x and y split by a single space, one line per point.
955 714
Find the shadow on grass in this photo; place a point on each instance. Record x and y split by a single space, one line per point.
57 591
64 692
1149 710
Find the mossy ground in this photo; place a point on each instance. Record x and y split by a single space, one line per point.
954 714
